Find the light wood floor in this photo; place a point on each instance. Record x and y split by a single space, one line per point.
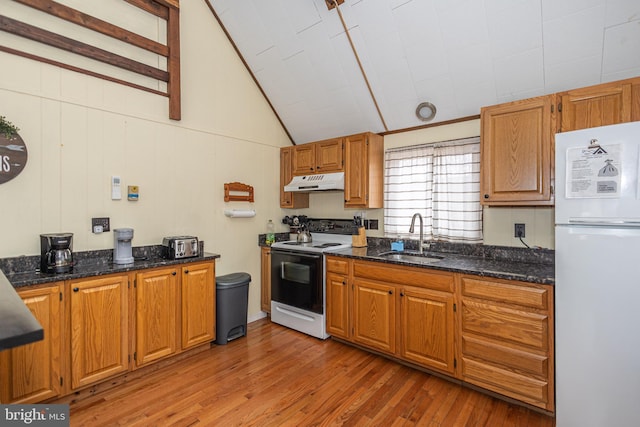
278 377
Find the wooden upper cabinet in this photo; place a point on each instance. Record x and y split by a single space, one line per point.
517 152
99 328
304 159
360 157
289 199
600 105
318 157
329 155
32 373
364 171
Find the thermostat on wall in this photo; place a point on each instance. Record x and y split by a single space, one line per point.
116 192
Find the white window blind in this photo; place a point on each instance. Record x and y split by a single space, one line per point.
441 181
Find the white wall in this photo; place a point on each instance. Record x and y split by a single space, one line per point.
497 221
80 130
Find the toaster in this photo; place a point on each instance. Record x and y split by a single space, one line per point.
177 247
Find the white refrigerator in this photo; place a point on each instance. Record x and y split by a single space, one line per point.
597 289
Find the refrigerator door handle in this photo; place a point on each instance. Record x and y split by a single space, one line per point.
606 222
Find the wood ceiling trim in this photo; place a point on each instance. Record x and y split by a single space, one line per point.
355 54
431 125
246 66
332 4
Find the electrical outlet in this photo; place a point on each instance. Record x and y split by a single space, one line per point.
100 222
371 224
519 230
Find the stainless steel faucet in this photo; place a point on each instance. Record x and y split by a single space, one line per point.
413 221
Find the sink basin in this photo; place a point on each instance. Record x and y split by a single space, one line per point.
410 257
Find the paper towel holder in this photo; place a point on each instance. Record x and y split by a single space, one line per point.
240 213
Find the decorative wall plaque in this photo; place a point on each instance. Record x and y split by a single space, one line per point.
13 152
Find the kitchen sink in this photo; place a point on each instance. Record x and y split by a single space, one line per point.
410 257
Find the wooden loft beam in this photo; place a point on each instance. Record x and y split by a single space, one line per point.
79 18
168 10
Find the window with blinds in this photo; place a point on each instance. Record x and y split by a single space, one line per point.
441 181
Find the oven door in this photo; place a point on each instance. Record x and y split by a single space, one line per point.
297 279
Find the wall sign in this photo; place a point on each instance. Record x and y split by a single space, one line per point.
13 157
594 171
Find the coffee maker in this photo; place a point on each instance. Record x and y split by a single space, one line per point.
56 254
122 253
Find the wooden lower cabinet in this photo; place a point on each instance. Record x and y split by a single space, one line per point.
506 338
265 279
337 297
374 315
99 328
427 328
32 373
403 311
198 304
492 333
157 296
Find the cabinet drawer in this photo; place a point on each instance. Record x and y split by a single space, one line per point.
404 275
338 266
529 296
526 389
494 352
506 324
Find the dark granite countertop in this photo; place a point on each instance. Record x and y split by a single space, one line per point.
25 270
527 265
19 327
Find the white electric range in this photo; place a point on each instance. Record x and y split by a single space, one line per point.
298 286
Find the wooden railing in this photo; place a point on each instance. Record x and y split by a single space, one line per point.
167 10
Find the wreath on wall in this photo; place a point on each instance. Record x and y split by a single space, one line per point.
13 151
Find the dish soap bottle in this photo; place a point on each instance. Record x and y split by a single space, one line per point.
271 236
398 245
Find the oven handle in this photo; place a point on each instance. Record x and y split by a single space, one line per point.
296 253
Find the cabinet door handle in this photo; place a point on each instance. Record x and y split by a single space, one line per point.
344 282
76 289
173 273
390 292
401 294
486 196
186 272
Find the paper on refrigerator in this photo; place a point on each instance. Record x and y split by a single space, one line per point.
594 171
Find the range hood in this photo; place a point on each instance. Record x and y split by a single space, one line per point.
318 182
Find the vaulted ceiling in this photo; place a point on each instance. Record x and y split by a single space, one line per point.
459 55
